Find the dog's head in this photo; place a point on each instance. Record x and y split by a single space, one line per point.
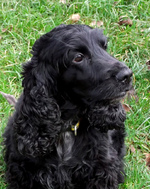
71 60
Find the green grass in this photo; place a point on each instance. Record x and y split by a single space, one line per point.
22 22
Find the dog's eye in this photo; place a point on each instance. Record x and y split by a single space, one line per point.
78 58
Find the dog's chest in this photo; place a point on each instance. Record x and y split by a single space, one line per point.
65 145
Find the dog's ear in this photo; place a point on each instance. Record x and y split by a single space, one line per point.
40 70
43 68
38 117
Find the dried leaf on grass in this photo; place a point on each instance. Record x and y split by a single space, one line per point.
130 95
147 160
63 1
116 2
126 107
10 98
9 28
132 149
125 21
75 17
95 23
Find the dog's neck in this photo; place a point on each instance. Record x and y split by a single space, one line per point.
71 111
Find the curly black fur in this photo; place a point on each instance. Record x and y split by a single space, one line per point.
70 78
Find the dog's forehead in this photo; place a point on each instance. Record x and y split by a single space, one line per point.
91 38
89 33
78 32
82 35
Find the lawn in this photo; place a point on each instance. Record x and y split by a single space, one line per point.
22 22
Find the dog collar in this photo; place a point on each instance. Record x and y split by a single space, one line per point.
75 127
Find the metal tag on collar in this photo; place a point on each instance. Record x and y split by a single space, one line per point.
74 128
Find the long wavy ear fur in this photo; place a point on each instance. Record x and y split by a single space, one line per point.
40 71
43 68
37 121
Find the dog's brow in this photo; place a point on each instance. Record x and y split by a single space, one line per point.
63 42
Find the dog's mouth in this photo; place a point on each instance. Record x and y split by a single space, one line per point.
121 95
118 98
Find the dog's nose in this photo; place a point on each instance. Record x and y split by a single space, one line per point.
124 76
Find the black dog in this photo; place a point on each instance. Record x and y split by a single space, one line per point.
68 128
